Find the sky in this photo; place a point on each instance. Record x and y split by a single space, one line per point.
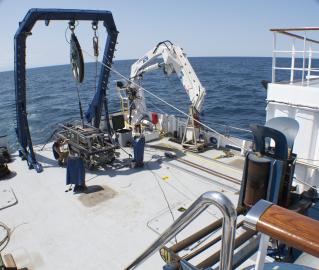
202 27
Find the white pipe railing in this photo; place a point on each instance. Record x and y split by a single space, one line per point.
306 54
228 230
309 64
303 58
292 70
274 58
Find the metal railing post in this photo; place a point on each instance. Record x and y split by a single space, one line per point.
309 64
303 59
274 58
262 252
292 68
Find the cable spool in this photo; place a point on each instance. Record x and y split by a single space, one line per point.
259 169
77 63
76 58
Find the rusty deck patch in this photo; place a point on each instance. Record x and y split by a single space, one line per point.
96 195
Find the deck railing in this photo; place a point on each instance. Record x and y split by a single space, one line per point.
308 52
201 204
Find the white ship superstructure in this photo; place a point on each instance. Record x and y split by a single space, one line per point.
294 93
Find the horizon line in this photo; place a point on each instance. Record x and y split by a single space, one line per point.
132 59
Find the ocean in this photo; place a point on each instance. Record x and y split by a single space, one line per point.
235 96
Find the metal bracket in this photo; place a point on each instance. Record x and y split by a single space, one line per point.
255 213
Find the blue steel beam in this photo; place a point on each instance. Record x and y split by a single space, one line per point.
100 99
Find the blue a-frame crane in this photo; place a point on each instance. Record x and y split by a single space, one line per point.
99 100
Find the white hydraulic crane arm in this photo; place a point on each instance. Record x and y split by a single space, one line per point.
174 61
143 65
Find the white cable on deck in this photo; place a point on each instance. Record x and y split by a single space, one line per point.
310 159
4 242
168 104
306 184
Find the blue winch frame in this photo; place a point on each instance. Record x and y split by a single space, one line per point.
94 112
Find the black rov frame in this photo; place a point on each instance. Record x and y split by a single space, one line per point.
87 142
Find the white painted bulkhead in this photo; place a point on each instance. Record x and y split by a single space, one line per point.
301 103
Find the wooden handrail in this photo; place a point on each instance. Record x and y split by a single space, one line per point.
291 228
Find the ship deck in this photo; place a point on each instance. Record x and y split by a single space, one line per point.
123 211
